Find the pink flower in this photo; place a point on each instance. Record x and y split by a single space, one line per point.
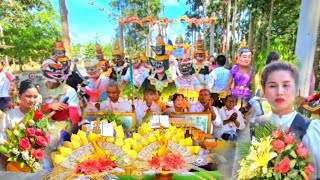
283 166
39 132
289 139
288 130
41 141
38 154
30 132
37 115
308 169
47 138
277 134
24 144
278 145
299 145
302 152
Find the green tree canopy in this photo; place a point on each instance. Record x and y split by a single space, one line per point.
31 26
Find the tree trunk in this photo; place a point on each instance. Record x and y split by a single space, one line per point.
65 26
269 26
257 29
204 25
306 42
234 40
262 36
250 37
228 29
212 27
121 38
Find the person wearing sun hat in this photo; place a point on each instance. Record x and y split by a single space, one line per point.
160 79
200 69
120 66
139 72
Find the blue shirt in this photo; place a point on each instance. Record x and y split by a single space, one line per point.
218 79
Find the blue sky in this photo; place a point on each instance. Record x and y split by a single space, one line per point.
87 22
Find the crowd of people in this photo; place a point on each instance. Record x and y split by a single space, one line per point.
219 91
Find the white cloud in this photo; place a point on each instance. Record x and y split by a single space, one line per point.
171 2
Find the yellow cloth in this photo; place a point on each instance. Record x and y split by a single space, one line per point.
186 105
162 106
14 166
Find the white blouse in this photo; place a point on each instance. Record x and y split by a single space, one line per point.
12 116
311 139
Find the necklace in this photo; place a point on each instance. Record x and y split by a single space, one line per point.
197 69
160 84
118 70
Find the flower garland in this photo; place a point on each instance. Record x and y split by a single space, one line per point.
160 84
118 70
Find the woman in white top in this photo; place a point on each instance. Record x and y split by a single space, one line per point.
28 96
177 104
279 83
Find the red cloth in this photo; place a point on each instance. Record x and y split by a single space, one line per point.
313 98
72 113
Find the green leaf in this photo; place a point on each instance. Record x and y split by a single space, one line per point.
5 149
244 149
28 116
16 126
22 164
13 158
293 173
293 154
11 136
292 163
277 175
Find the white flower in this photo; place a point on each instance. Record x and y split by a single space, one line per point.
31 122
25 155
16 132
36 165
22 126
15 151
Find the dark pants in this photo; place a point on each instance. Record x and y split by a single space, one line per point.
4 103
227 137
